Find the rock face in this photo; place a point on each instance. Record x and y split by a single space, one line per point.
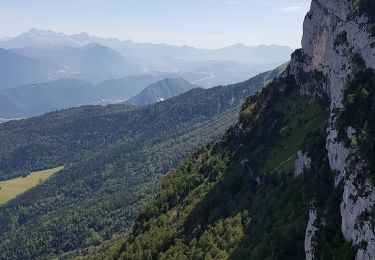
311 231
334 33
303 162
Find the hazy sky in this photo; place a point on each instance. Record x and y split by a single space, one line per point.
200 23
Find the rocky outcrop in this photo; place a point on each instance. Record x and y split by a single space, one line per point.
310 235
356 223
303 162
334 34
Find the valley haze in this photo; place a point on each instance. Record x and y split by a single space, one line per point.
44 71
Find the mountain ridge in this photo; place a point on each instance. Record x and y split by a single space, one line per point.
36 99
17 69
87 40
160 91
91 62
255 54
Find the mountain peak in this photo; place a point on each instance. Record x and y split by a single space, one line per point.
93 45
33 32
83 34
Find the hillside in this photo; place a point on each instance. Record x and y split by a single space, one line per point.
12 188
240 198
17 69
114 159
36 99
160 91
91 62
294 179
120 90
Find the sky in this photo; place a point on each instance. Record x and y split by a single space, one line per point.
199 23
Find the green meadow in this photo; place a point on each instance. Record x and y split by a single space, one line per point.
10 189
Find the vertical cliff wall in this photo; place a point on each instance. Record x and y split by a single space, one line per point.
336 32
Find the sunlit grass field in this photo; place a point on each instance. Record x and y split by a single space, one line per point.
10 189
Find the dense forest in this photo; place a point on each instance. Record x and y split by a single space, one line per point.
64 137
114 159
241 198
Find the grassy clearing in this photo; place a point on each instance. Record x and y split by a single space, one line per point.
301 117
10 189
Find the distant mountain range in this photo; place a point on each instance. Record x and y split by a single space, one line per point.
17 69
36 99
91 62
30 100
161 91
42 71
149 51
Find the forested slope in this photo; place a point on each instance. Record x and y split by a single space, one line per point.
114 157
241 198
160 91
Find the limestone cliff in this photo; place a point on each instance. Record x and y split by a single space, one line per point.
335 33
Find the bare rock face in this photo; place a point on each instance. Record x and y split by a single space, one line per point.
334 33
311 232
303 162
355 226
